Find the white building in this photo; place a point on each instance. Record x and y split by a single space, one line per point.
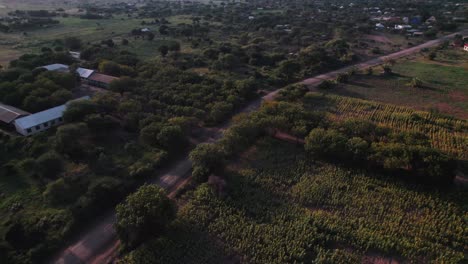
84 73
42 121
56 67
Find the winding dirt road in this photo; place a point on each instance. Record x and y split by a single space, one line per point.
99 244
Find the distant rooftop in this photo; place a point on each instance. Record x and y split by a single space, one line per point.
56 67
102 78
84 73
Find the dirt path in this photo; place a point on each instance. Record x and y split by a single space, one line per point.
99 244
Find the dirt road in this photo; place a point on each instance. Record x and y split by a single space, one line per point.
99 244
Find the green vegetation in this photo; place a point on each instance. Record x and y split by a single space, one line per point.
183 69
441 86
147 212
281 206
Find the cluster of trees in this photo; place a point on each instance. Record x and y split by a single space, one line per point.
35 90
353 142
359 143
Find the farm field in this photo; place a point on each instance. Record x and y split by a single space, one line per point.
278 206
444 81
447 134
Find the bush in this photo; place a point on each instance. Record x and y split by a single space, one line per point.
325 85
415 83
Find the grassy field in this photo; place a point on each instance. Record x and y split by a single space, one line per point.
12 45
444 80
281 207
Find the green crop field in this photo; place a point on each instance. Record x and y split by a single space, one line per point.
281 207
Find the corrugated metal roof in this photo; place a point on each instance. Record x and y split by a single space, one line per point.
84 73
56 67
44 116
98 77
41 117
10 113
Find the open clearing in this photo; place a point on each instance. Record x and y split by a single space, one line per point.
444 80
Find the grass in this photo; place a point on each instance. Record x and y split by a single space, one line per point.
444 84
14 44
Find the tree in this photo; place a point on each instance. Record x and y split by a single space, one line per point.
163 49
357 148
326 143
432 55
69 140
288 70
73 43
109 67
78 110
125 42
325 85
149 134
174 46
342 78
151 36
163 30
220 111
59 192
122 85
147 212
387 68
49 165
171 138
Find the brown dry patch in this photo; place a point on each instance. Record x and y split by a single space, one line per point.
7 55
461 179
378 38
458 96
319 209
452 110
201 71
377 259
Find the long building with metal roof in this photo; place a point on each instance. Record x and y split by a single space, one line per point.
8 114
43 120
